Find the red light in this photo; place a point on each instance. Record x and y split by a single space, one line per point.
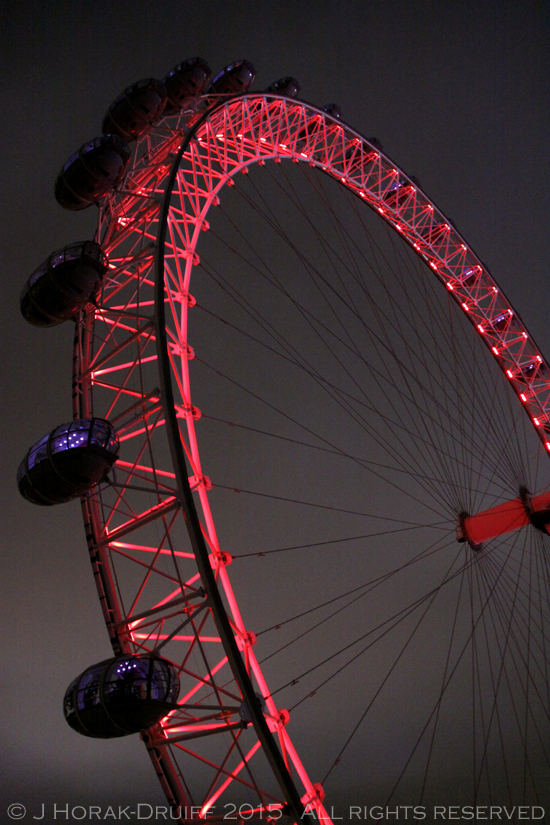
537 422
495 350
547 445
466 307
480 328
523 398
450 286
509 374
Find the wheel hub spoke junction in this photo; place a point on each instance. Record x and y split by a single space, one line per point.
505 518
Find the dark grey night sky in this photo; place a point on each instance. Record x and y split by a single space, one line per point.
458 92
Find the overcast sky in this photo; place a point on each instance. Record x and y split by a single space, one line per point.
458 93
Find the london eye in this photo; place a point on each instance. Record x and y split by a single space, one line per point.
310 436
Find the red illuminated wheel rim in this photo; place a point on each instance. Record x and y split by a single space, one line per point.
244 332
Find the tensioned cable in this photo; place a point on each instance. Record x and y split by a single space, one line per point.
418 475
506 619
285 415
380 312
367 588
340 224
447 331
320 506
397 617
423 282
346 398
475 623
261 553
359 459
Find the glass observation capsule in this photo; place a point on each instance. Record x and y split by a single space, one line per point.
186 80
63 284
67 462
376 143
398 193
121 696
333 110
234 79
435 234
287 86
136 110
92 172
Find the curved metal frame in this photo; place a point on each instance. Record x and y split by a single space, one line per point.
187 176
192 520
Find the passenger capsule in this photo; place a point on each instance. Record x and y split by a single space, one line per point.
287 86
234 79
502 322
398 193
333 110
531 369
68 462
436 234
64 284
136 110
92 172
470 276
186 81
376 143
121 696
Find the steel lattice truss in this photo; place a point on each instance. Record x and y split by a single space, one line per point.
147 576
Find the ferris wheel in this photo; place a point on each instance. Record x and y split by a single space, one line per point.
310 437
